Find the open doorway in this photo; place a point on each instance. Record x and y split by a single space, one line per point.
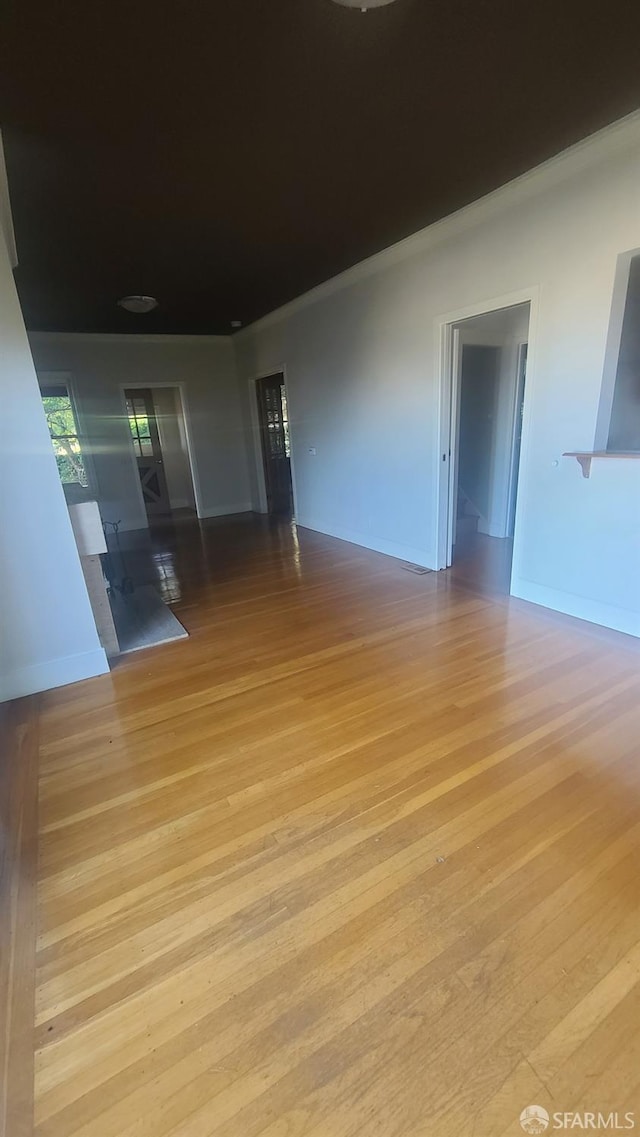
488 357
161 447
275 443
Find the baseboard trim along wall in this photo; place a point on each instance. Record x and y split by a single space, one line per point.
608 615
491 530
226 510
376 544
53 673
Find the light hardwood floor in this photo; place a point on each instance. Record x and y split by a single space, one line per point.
360 857
18 880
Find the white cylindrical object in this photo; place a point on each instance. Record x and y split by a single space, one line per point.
87 528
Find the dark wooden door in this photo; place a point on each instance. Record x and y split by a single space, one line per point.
146 443
274 434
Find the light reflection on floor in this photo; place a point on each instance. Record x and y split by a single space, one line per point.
295 549
166 576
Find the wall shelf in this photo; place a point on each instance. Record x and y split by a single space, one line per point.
585 457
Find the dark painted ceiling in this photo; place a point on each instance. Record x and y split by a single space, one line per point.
226 155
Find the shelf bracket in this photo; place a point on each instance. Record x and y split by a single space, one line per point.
584 460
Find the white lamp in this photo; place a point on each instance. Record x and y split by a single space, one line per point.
363 5
138 304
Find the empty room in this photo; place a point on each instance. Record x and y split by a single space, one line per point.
320 569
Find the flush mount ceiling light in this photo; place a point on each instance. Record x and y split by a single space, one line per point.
363 5
138 304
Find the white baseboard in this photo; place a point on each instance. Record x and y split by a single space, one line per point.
620 619
226 510
377 544
53 673
490 530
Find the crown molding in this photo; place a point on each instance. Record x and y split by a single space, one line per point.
6 216
592 151
164 338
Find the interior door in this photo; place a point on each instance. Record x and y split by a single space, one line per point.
274 434
146 444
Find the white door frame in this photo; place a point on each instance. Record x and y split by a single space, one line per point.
256 435
520 383
193 470
447 358
455 365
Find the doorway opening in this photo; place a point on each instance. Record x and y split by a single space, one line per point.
273 418
488 356
161 448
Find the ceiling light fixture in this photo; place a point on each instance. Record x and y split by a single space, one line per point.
363 5
138 304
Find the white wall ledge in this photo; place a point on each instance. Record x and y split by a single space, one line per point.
585 457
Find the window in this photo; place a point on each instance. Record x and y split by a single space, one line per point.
63 429
285 421
139 424
618 427
624 428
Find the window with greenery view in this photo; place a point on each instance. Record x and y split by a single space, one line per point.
139 425
64 435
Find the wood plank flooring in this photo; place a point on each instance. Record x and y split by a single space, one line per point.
18 873
360 857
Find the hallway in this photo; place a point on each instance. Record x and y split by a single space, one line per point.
359 856
483 563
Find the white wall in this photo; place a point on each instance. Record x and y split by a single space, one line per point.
362 365
101 366
47 631
173 442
